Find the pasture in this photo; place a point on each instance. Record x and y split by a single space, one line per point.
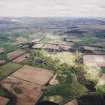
8 68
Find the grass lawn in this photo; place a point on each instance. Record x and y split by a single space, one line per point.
8 68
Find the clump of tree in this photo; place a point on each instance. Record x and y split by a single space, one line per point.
38 59
100 89
68 76
3 56
64 71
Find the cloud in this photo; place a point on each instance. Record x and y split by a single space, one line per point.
44 8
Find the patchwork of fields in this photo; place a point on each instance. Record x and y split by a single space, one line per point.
72 49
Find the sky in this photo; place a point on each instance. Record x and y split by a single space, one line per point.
52 8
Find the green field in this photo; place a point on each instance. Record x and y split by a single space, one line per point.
8 68
103 69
